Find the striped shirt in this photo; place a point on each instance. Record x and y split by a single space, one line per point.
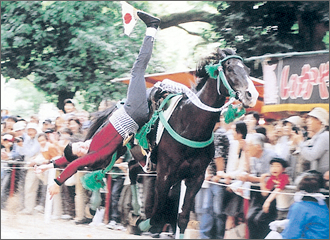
123 123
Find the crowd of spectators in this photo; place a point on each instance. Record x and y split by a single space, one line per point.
250 155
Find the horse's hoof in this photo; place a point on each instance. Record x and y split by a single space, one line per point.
145 225
133 230
134 220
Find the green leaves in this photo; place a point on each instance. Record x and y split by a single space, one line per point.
68 46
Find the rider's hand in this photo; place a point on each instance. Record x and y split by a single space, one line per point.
42 168
53 190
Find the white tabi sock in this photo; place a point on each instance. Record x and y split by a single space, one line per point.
151 31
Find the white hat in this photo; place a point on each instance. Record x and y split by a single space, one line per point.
321 114
8 137
296 120
20 125
33 126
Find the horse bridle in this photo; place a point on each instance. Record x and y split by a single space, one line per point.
221 77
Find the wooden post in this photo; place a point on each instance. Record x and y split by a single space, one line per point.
49 202
182 195
12 181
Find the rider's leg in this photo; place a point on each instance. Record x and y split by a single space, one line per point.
125 120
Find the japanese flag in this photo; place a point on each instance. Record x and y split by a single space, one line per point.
129 17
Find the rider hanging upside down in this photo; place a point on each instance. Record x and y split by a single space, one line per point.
96 153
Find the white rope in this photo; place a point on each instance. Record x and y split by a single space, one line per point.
265 191
287 187
171 86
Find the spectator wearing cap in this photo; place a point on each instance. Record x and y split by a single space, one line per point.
47 125
316 149
19 134
7 141
30 149
14 154
19 128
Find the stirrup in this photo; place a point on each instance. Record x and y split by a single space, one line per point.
148 168
128 137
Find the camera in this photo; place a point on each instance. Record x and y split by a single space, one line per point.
18 139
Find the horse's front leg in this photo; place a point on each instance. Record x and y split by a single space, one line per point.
192 187
162 188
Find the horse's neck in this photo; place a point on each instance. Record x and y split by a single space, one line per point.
209 95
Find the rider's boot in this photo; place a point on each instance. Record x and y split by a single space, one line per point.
148 19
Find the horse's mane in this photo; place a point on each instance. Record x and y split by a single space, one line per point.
98 119
201 74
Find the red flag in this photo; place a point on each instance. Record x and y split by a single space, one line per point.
129 17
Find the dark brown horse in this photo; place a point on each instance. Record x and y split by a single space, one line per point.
177 161
221 75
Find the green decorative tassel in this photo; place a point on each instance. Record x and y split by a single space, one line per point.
145 225
95 199
141 136
232 113
93 181
135 203
210 69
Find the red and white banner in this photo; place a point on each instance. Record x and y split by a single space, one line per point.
296 83
129 17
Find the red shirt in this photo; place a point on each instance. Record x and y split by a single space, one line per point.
280 181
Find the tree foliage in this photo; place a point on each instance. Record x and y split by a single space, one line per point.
257 28
71 46
68 46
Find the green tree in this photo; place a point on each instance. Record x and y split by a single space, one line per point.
78 46
68 46
255 28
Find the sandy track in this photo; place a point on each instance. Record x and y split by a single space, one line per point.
18 226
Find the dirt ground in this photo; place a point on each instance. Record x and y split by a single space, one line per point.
18 226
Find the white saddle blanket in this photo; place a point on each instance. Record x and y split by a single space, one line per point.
167 114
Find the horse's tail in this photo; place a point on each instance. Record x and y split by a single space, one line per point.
98 120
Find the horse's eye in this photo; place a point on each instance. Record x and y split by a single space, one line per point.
229 68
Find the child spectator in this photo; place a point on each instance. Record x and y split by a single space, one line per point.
309 215
279 180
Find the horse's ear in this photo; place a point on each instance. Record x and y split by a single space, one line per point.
229 51
221 53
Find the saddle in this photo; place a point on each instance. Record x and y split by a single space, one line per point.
140 146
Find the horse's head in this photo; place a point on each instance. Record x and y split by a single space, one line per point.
237 76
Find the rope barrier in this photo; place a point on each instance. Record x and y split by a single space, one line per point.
287 187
